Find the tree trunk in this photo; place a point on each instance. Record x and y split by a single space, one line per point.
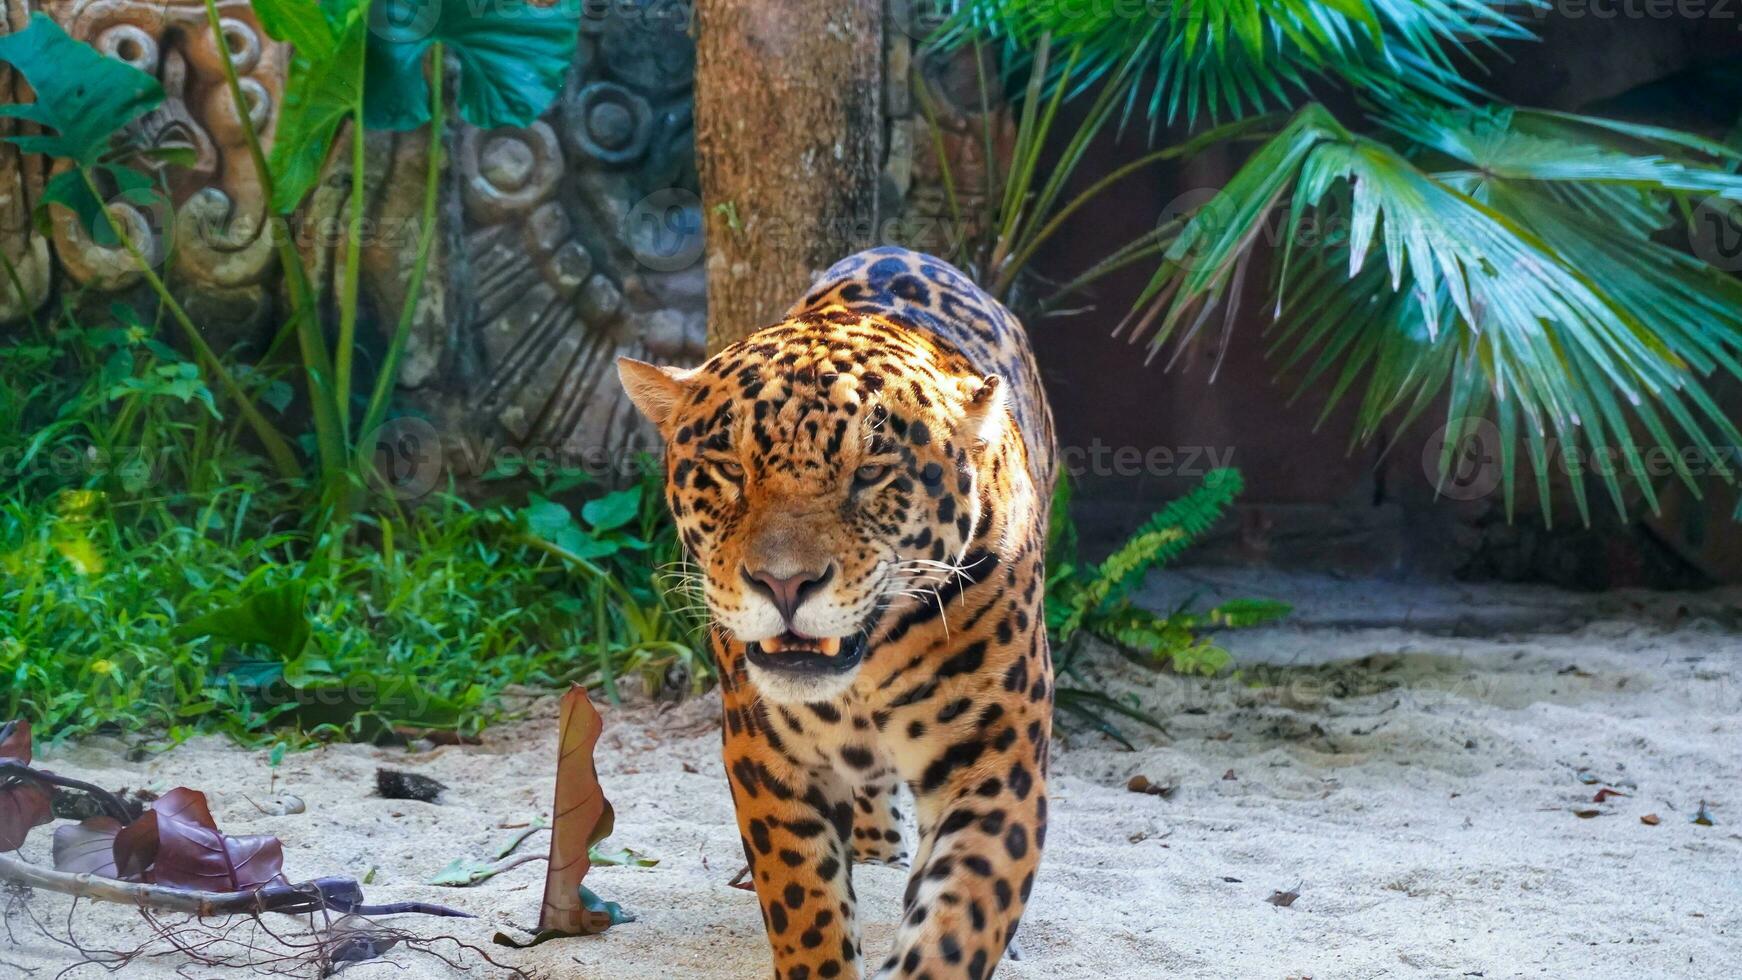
789 147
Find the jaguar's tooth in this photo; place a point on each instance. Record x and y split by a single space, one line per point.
830 646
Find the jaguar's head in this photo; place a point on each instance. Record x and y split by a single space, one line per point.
820 472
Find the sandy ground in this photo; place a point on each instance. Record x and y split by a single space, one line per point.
1410 761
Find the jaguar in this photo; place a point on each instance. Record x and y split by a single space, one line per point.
862 490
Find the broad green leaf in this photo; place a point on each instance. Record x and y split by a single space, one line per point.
81 95
275 617
613 510
302 23
321 92
552 522
512 59
69 190
546 518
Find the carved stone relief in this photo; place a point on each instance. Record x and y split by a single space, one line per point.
223 260
580 241
27 265
559 246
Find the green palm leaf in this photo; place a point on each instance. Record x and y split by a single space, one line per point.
1237 57
1495 280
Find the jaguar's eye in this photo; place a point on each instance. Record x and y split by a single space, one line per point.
730 470
870 473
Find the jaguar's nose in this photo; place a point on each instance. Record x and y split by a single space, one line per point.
787 592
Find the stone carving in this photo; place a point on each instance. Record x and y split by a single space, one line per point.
223 260
560 245
25 273
574 242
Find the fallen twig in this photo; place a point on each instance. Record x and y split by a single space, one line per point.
111 803
337 894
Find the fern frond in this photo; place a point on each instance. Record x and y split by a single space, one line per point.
1107 581
1241 613
1191 516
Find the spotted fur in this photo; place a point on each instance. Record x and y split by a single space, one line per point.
889 439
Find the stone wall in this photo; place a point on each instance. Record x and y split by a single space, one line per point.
561 245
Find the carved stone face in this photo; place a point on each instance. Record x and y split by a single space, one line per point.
817 478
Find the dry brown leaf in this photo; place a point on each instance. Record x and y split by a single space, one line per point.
1141 784
23 803
581 817
1604 794
1283 900
87 847
1651 820
177 843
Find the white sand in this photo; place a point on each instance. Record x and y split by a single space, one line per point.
1423 803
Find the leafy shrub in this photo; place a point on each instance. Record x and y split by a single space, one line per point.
1096 599
191 593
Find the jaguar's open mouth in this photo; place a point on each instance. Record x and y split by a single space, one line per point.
792 653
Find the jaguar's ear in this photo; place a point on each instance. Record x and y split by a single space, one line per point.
983 415
654 388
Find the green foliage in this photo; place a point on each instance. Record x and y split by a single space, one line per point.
1234 57
512 58
85 98
352 56
322 90
1022 211
1516 271
1096 599
1508 261
178 589
156 579
345 67
81 95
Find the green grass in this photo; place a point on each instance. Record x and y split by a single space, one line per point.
155 582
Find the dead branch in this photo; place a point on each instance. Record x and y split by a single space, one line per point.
337 894
112 804
316 946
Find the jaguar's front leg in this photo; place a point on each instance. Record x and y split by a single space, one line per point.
878 833
982 826
795 823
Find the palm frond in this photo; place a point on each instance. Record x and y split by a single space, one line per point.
1497 281
1238 57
